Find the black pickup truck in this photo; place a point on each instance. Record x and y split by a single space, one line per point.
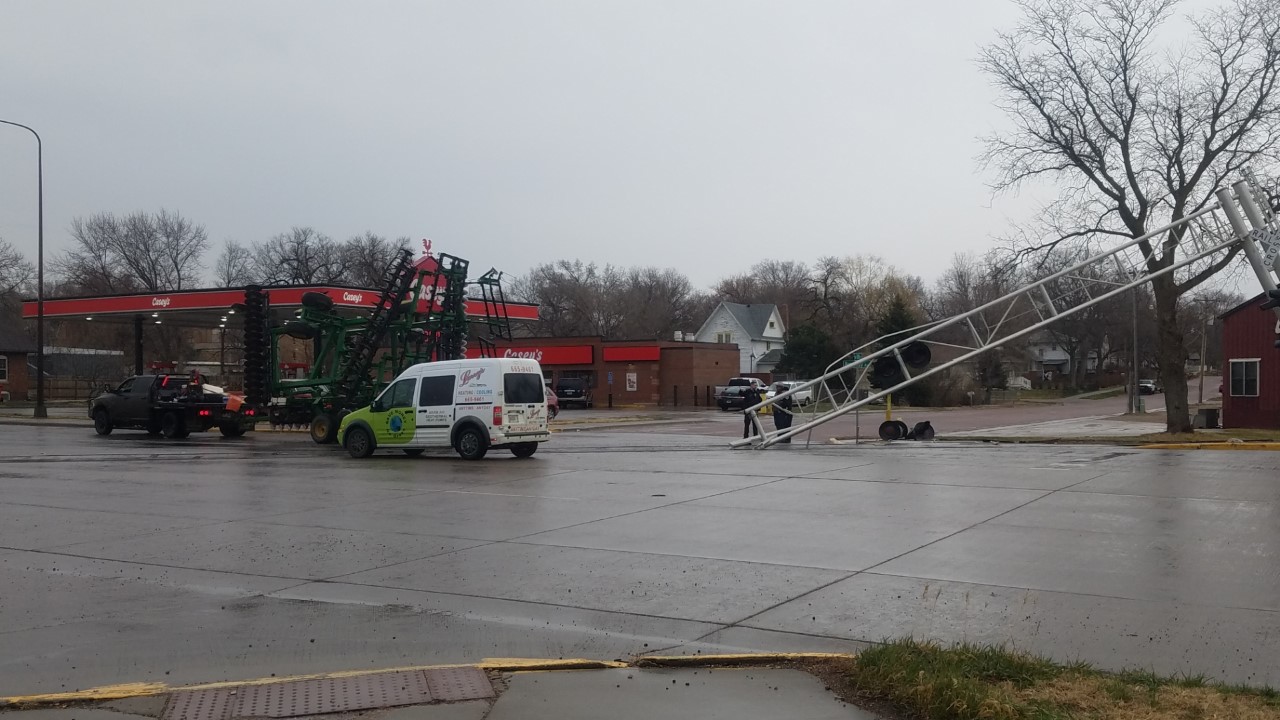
168 405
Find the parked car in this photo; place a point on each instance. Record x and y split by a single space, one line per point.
733 397
802 397
573 391
169 405
756 383
1149 387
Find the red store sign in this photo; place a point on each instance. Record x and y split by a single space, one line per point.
550 355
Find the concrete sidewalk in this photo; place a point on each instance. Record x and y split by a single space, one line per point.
472 693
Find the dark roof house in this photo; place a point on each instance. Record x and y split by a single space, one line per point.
15 341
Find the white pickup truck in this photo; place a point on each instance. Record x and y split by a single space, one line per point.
803 397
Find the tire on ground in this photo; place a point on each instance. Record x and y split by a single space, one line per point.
173 426
102 422
471 444
891 430
324 429
359 442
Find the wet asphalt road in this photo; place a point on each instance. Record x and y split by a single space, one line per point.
129 559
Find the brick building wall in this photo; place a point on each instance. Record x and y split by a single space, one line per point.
658 367
18 383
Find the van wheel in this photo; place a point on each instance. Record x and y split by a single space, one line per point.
101 422
471 445
359 443
524 450
415 452
172 426
324 429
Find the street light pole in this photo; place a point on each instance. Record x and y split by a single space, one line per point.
1204 346
1134 379
40 411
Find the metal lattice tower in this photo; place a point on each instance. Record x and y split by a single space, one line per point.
1234 222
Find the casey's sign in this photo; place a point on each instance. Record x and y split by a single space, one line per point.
546 355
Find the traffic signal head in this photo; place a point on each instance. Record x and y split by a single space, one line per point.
1273 300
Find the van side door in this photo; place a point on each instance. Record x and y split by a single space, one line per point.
435 411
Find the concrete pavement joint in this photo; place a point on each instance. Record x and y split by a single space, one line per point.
888 560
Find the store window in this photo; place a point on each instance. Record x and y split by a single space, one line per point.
1244 377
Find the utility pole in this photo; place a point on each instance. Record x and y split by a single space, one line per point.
1134 401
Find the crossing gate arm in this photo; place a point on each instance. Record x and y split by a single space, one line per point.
1201 234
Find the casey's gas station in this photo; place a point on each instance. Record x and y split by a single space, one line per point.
215 309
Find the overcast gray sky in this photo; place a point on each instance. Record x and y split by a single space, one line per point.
698 135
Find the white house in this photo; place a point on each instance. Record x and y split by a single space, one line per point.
1044 354
757 330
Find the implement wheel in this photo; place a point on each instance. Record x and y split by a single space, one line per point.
324 429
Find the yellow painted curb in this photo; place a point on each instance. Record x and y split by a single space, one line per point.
106 692
736 659
1213 446
128 690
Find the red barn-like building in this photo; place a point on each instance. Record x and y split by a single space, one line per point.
1251 366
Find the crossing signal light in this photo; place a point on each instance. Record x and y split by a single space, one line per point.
1272 302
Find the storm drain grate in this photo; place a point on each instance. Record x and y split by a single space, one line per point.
200 705
455 684
329 695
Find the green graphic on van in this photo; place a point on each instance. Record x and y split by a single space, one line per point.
398 426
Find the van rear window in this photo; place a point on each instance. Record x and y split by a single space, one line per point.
522 388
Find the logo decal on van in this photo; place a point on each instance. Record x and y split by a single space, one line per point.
469 376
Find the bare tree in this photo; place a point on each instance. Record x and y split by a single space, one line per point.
575 298
366 257
1136 137
16 272
785 283
17 277
302 256
235 265
135 252
658 302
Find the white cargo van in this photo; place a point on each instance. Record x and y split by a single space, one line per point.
467 405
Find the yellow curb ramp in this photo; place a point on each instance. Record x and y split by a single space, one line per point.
1218 445
680 661
144 689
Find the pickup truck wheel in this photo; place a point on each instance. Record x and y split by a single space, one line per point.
359 443
102 422
524 450
471 445
324 429
172 426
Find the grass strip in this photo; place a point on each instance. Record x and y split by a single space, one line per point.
976 682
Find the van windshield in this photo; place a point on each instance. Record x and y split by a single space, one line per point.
522 388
